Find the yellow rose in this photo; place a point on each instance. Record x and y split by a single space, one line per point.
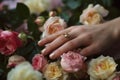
93 14
37 6
53 71
101 68
24 71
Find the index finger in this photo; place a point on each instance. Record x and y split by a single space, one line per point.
50 38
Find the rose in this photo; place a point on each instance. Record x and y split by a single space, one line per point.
93 14
9 42
37 6
53 71
24 71
39 62
72 61
15 60
101 68
53 25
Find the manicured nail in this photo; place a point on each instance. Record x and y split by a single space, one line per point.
52 56
39 42
46 45
43 51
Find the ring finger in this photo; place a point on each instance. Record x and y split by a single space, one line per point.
57 43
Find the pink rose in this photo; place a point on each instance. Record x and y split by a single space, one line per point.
53 25
72 61
39 62
15 60
9 42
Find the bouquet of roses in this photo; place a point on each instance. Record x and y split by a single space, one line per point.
70 66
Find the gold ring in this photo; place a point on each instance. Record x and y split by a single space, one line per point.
66 35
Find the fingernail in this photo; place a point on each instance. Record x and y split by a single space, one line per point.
43 51
52 56
46 45
39 42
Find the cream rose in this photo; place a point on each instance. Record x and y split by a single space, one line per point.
101 68
37 6
93 14
53 71
24 71
53 25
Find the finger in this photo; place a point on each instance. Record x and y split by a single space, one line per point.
52 37
54 45
92 49
70 45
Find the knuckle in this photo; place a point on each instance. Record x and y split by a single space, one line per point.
82 29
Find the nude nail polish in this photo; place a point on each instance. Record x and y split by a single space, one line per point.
39 42
52 56
43 51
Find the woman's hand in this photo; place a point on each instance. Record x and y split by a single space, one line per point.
94 39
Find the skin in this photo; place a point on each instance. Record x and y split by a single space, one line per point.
93 39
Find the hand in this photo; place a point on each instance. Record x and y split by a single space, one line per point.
94 39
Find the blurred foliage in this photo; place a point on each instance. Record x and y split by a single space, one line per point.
70 12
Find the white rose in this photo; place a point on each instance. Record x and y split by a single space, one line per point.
93 14
24 71
101 68
53 25
37 6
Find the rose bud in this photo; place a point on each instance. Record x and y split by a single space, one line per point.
23 36
15 60
39 62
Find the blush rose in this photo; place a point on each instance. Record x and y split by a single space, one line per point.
39 62
53 25
72 61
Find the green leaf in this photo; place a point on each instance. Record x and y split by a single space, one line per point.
74 19
113 13
73 4
107 3
32 27
22 11
1 71
65 16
